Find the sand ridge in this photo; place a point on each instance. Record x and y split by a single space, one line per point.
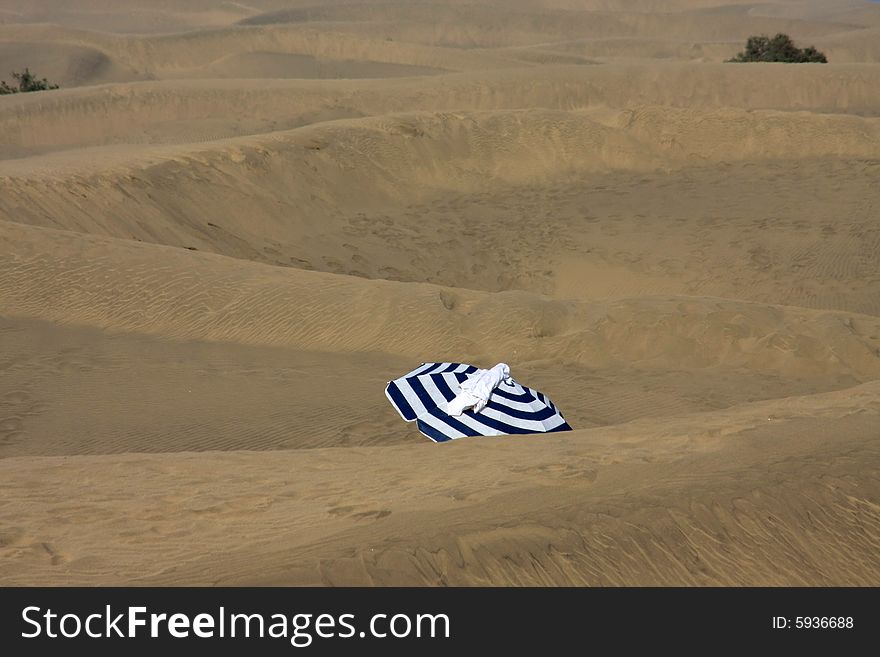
200 110
237 221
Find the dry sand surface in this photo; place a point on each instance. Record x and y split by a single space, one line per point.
236 222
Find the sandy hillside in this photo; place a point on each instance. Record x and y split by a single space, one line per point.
235 222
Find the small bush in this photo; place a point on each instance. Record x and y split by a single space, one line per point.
778 49
25 82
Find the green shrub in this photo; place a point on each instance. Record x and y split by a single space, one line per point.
24 82
778 49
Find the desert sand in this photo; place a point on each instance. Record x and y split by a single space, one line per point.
235 222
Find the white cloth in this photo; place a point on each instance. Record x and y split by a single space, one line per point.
477 388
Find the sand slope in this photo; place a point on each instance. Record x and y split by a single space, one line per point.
237 221
329 197
685 501
200 110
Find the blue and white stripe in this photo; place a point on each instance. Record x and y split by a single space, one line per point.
422 395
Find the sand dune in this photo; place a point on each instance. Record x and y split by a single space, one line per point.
699 496
126 16
256 304
201 53
278 65
367 185
465 143
92 43
196 111
860 46
853 12
69 64
721 343
237 221
475 26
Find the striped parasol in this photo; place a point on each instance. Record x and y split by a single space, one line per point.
423 394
